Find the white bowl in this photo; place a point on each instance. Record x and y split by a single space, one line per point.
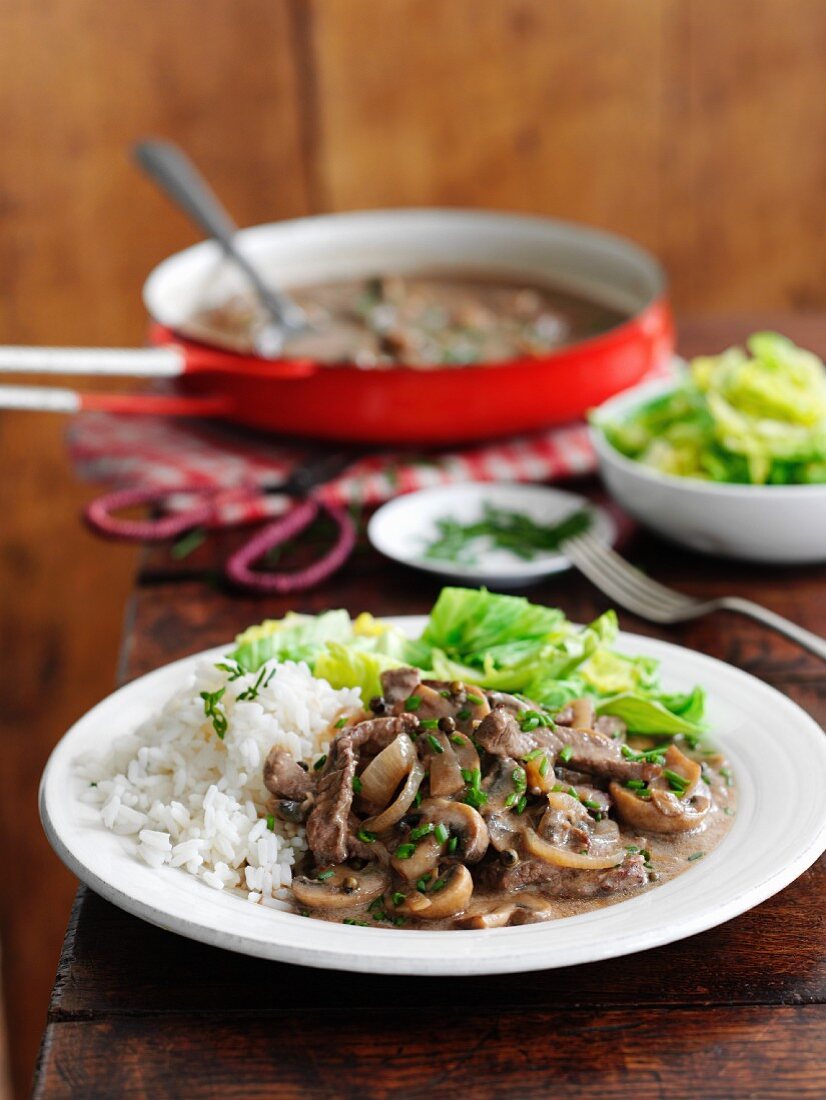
780 524
403 528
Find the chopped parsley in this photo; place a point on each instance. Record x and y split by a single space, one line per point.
213 711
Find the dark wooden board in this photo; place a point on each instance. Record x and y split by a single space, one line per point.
421 1050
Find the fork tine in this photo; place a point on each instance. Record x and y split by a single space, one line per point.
623 583
623 569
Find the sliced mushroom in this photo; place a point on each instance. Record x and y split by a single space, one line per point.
425 858
461 821
445 901
344 889
570 837
659 809
445 771
525 909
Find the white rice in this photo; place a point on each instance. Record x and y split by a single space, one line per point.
194 801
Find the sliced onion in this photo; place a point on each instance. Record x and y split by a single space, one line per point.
396 811
445 774
561 857
382 776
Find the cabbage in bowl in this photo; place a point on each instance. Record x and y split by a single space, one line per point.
745 417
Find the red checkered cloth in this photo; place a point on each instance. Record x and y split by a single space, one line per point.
153 453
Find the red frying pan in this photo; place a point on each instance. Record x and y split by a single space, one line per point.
397 405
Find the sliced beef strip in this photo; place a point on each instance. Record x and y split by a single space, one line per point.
612 726
285 778
592 752
500 735
597 754
564 882
328 831
327 825
398 684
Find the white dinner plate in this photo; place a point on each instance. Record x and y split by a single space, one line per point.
778 754
403 528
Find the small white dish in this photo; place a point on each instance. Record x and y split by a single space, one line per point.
773 745
778 524
403 528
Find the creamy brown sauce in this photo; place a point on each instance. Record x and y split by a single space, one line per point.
418 321
671 856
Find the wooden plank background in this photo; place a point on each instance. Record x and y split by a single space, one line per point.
695 127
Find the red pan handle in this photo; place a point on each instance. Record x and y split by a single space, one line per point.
53 399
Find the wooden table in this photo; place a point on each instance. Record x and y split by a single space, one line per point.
734 1012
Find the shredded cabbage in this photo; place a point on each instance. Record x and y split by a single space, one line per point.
757 418
502 643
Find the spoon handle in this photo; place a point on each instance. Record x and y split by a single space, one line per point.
175 173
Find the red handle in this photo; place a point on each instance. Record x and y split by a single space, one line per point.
148 404
239 566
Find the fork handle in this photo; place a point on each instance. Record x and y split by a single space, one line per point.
791 630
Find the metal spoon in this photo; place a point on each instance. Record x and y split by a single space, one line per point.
178 177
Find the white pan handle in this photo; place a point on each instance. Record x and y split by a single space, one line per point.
39 399
165 362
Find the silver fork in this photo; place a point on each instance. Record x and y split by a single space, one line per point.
635 592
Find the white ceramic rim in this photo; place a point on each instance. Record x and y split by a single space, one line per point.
771 842
347 245
622 403
515 571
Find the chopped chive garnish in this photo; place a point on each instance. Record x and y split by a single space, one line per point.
356 784
445 694
475 798
341 723
213 711
322 876
417 801
271 822
632 848
521 804
636 784
404 851
543 767
726 774
366 836
441 833
591 804
475 700
413 702
533 755
520 780
421 831
352 920
434 743
397 898
565 753
438 885
467 775
429 723
676 781
457 739
421 884
398 921
463 714
453 844
695 855
728 810
574 793
511 800
319 764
